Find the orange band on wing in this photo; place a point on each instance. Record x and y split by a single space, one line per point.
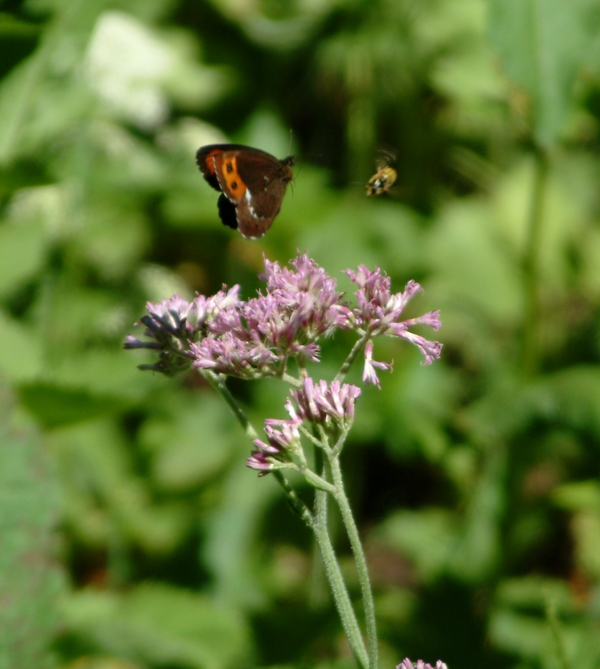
229 178
209 163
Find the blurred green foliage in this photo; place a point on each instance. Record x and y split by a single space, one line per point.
133 535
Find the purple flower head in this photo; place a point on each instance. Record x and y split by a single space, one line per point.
234 355
379 312
369 373
185 319
407 664
321 403
260 461
307 296
283 440
174 324
168 329
257 337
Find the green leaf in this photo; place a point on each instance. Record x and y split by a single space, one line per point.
472 269
21 89
190 440
54 405
160 625
107 503
22 252
21 350
30 580
542 45
231 534
411 533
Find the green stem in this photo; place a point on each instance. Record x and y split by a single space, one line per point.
317 522
531 270
298 506
359 557
336 581
218 383
318 482
356 349
292 380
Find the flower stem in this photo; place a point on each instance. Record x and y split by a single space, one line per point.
359 557
318 523
356 349
294 501
218 383
298 506
336 581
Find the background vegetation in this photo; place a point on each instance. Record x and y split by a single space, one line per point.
132 534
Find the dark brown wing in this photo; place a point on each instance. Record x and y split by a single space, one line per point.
252 181
206 158
205 161
266 182
227 212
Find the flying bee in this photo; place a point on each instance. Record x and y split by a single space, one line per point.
384 178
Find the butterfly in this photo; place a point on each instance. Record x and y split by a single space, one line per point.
252 185
384 178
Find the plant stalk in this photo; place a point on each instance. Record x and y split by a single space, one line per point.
336 581
361 562
359 344
318 523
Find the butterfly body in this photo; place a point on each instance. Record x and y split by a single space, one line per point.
252 185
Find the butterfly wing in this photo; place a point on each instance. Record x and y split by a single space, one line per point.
227 212
252 183
266 181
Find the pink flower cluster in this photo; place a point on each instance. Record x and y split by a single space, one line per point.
407 664
317 403
379 311
256 338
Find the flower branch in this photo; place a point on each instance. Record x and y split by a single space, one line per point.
223 336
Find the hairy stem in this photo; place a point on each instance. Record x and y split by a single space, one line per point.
356 349
297 505
218 383
318 523
336 581
359 557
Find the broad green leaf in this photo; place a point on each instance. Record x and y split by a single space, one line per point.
542 45
20 90
230 551
160 625
519 623
190 440
21 351
55 405
413 532
471 269
107 502
30 579
22 253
